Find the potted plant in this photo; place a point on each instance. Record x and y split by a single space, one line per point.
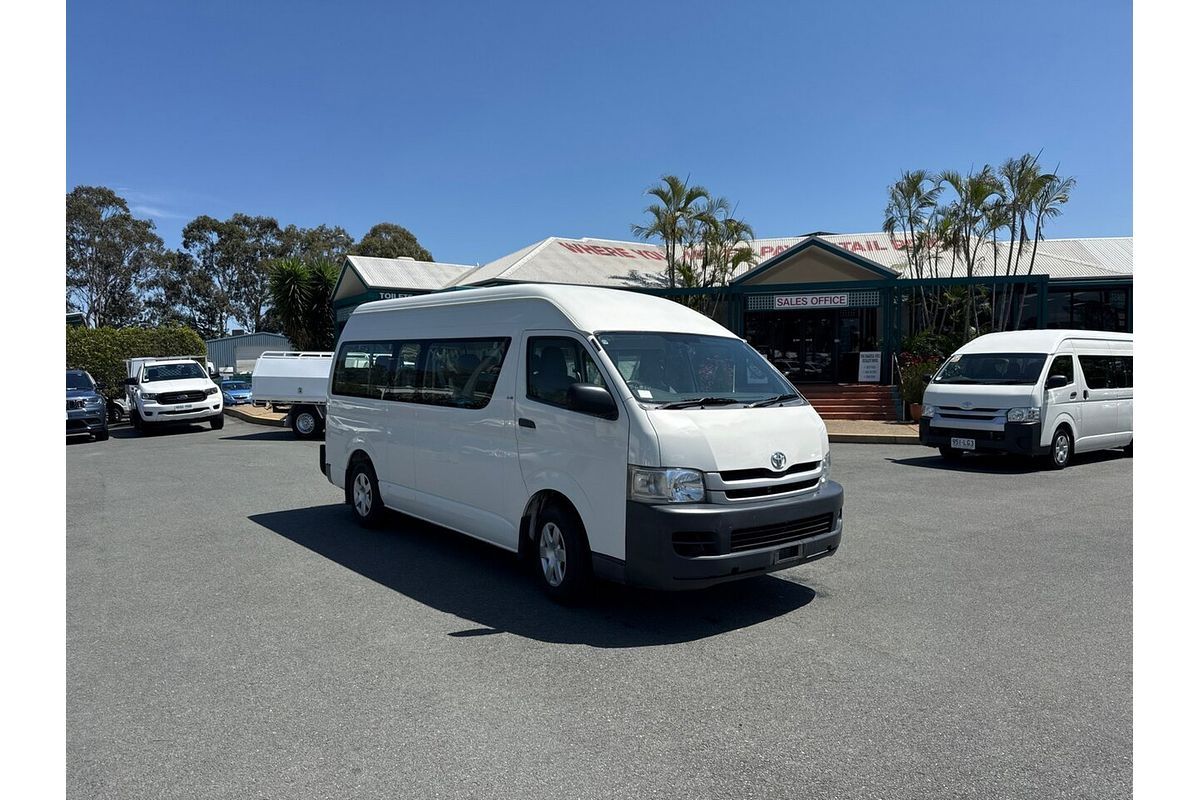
913 371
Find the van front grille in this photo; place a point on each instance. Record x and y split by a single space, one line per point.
760 474
780 533
767 491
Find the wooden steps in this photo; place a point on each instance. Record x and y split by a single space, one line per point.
868 401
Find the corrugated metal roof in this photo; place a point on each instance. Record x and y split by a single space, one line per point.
404 273
589 262
609 262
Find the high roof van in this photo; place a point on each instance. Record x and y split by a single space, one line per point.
597 432
1050 393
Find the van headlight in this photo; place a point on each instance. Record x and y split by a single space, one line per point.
826 466
1024 414
927 410
670 485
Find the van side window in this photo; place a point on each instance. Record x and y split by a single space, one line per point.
1063 365
1107 372
405 377
461 372
554 363
363 369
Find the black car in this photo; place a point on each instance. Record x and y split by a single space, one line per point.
87 410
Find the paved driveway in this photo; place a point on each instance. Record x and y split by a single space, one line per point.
232 634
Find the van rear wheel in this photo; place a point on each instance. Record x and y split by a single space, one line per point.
364 495
563 557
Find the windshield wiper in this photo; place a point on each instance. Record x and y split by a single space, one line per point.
770 401
694 402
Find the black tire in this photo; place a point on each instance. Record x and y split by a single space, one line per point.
562 557
1129 450
135 419
218 421
365 502
305 423
1062 448
102 436
949 453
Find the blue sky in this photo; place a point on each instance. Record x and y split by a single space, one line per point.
484 127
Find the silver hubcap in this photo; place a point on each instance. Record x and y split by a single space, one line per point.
1062 448
305 423
553 551
362 494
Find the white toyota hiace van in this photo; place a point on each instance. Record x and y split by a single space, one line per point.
1042 393
598 431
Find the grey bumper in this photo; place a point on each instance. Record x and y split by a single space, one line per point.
694 546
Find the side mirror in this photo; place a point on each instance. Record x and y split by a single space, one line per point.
1056 381
131 381
926 378
588 399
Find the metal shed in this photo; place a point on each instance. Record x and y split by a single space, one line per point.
238 353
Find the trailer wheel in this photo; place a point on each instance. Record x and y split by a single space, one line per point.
305 423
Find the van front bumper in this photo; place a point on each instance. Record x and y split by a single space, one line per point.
691 546
1017 437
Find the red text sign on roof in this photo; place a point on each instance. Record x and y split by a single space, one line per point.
616 252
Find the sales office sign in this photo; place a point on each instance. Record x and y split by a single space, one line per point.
803 301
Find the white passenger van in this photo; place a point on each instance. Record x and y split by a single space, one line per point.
597 431
1042 393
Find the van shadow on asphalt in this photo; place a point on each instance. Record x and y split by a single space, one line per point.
1002 464
490 588
160 429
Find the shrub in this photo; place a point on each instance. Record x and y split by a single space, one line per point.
930 344
102 351
913 369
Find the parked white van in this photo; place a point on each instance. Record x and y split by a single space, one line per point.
1042 393
600 432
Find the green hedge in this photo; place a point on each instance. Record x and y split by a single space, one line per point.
102 351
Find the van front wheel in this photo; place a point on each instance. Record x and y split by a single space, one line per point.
564 559
1061 448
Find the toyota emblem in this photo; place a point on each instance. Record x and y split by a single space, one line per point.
778 460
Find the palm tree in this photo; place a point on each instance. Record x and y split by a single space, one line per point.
911 200
672 219
1053 193
301 298
974 217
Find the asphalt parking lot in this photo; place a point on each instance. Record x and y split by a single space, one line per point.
231 633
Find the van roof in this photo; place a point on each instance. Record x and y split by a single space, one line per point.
1044 341
587 308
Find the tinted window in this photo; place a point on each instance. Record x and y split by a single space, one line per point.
446 372
554 364
1107 372
461 372
363 369
1063 365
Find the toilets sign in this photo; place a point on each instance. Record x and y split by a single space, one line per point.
809 301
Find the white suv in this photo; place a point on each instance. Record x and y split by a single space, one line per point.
174 390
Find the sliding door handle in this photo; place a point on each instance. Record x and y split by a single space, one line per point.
526 423
1074 394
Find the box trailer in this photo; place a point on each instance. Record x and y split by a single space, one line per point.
299 380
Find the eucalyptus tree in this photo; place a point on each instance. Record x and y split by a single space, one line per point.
110 254
673 220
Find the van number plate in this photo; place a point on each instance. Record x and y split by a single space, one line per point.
962 444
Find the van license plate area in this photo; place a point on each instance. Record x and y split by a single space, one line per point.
788 553
962 444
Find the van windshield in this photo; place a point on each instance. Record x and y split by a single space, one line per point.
677 367
992 368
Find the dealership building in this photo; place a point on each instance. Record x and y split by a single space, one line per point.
826 308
